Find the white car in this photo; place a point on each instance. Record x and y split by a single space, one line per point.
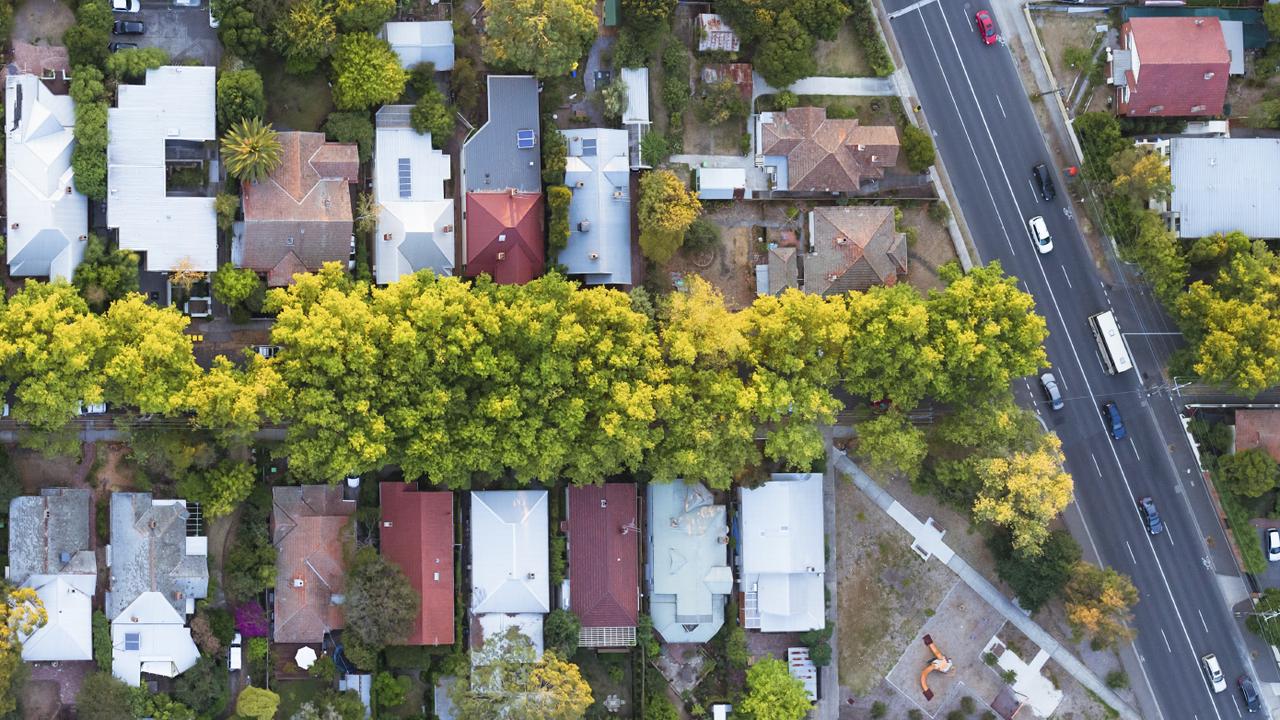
213 21
126 6
1213 672
1040 234
266 351
233 654
92 409
1273 544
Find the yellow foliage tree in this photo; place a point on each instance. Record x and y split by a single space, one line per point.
21 613
1024 492
1098 601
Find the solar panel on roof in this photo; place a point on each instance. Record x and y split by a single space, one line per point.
406 186
524 139
588 147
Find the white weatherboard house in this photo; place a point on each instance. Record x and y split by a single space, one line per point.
598 174
415 219
172 114
48 221
687 568
510 562
418 42
783 557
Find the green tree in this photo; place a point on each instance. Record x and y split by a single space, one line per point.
240 97
238 30
1264 621
647 15
1159 253
1140 174
735 646
558 199
614 97
891 442
1212 249
218 489
390 691
507 681
721 102
561 630
820 18
659 707
1251 473
786 52
105 276
431 115
225 207
331 705
1098 602
351 127
133 63
257 703
464 86
367 72
103 697
363 15
147 357
545 37
918 147
158 706
1271 17
251 150
1100 139
702 235
773 694
306 36
381 605
89 158
232 285
86 40
666 210
1035 579
1024 492
888 355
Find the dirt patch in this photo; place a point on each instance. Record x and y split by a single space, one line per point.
931 250
40 700
843 57
114 469
703 139
1243 96
1059 31
42 22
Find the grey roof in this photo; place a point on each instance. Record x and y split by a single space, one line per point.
150 552
490 158
416 42
509 554
637 82
599 176
415 219
784 270
47 217
688 569
1225 184
44 527
782 554
1233 36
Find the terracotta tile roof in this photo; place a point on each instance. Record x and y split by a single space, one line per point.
505 236
303 208
1183 67
36 59
417 535
853 249
604 541
309 525
1258 429
825 154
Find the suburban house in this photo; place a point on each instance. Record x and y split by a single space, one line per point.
636 117
419 42
687 565
782 271
604 562
1170 67
159 567
782 558
299 217
417 535
155 129
310 525
503 235
852 248
48 220
1221 185
806 151
715 34
598 174
415 219
51 551
509 564
722 183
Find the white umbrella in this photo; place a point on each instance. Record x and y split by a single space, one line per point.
305 658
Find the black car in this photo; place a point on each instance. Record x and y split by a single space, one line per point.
1044 181
116 46
1147 507
1249 694
1111 416
128 27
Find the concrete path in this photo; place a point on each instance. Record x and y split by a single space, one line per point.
929 539
853 87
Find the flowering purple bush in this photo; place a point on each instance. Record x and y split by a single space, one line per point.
251 620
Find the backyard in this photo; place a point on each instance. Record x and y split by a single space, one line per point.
841 57
296 693
296 102
610 676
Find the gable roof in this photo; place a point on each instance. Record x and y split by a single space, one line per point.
152 553
1179 66
688 570
505 236
417 42
636 81
509 555
415 220
783 555
604 547
45 528
417 535
149 637
309 525
826 155
175 105
784 271
67 633
48 219
491 158
302 209
854 248
598 175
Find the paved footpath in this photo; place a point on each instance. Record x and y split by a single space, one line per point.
928 543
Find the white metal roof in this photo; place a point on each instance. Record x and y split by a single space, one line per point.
637 82
415 220
598 175
783 557
509 555
1225 184
416 42
719 183
688 569
67 634
48 219
176 103
163 644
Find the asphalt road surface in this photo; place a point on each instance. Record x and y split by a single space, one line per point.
989 140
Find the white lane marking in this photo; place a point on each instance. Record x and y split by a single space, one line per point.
1170 536
1203 624
1053 298
1095 465
1001 107
1131 555
1134 445
1035 197
910 8
1068 277
1167 646
1233 702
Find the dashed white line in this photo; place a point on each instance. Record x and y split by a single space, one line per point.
1167 646
1001 107
1134 445
1202 622
1170 536
1068 277
1131 555
1095 465
1035 197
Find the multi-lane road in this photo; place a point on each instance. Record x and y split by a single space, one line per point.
989 140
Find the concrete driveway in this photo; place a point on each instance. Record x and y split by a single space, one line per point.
182 31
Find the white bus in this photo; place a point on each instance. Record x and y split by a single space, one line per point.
1115 356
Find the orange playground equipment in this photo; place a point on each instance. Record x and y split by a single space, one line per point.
940 662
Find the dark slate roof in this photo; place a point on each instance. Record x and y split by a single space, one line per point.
490 158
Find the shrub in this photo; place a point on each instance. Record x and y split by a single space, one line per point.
555 152
878 709
863 19
1117 680
240 96
558 197
653 149
939 212
561 629
918 147
256 649
558 561
967 704
323 669
675 78
102 641
431 115
701 235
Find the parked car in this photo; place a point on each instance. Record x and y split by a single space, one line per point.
1273 544
1212 671
1249 693
1150 517
128 27
986 27
1049 386
118 46
213 20
126 6
1044 181
1040 234
92 409
234 654
1115 424
186 3
266 351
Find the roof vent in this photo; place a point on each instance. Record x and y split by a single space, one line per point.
447 228
298 582
617 194
386 523
530 576
861 147
502 237
604 503
502 256
581 183
842 240
337 599
177 595
1207 76
1199 22
595 256
584 226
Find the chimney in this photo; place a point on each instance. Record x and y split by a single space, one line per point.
386 236
1207 76
502 256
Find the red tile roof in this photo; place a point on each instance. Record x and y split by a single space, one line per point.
505 236
417 535
1183 67
308 527
604 539
825 154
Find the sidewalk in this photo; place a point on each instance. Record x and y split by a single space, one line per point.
928 540
850 86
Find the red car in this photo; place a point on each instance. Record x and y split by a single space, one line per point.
986 27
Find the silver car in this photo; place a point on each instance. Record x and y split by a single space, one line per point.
1273 544
1049 386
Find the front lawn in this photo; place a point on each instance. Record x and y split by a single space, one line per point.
295 102
296 693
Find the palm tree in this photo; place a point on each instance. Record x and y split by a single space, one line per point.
251 150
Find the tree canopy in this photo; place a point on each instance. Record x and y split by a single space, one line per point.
1251 473
773 694
367 72
1098 601
381 604
544 37
666 210
21 613
1024 493
506 681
